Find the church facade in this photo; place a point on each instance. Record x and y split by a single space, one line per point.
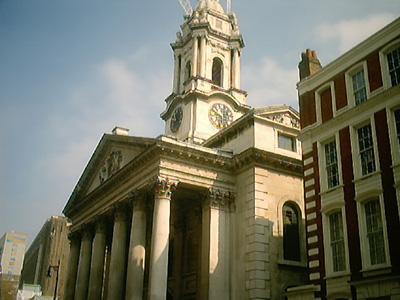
212 209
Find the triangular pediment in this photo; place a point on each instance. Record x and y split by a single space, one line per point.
111 155
282 114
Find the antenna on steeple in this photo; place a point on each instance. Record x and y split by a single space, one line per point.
187 7
228 6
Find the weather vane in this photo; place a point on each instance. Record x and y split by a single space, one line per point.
187 7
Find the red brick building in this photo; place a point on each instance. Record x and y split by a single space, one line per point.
350 120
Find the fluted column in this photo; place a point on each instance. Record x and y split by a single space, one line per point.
97 264
72 266
137 248
118 255
82 278
160 238
215 245
195 56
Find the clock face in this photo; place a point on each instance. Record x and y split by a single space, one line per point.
220 115
176 119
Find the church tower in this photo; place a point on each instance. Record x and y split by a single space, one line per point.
207 95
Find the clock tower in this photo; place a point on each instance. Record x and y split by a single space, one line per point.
206 96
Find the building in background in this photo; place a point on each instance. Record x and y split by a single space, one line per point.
46 261
350 119
12 251
212 209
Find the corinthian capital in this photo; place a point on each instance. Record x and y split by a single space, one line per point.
119 212
217 199
138 199
164 186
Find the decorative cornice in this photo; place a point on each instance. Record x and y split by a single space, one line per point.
285 118
268 159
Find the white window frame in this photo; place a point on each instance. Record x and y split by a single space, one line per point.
384 65
327 211
294 141
393 134
364 242
330 85
349 82
357 167
322 163
395 146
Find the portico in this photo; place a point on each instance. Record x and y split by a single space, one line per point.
156 238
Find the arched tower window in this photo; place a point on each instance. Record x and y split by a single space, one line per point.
188 71
291 231
217 71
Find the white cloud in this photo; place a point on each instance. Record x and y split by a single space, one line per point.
268 83
348 33
115 94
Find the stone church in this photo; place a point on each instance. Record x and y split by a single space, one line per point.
211 209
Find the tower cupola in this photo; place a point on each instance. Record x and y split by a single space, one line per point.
209 5
207 55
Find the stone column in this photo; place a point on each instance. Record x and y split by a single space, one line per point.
97 264
215 246
202 63
177 73
137 248
82 278
236 69
72 266
116 280
160 239
195 56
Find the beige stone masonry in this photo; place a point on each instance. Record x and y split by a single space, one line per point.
257 235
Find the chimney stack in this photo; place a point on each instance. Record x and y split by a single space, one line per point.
309 64
120 131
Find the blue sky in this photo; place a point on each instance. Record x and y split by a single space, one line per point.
73 70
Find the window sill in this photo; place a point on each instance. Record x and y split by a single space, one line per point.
292 263
337 275
331 190
376 270
395 166
363 177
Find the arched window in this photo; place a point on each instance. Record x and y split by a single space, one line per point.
188 71
217 72
291 231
